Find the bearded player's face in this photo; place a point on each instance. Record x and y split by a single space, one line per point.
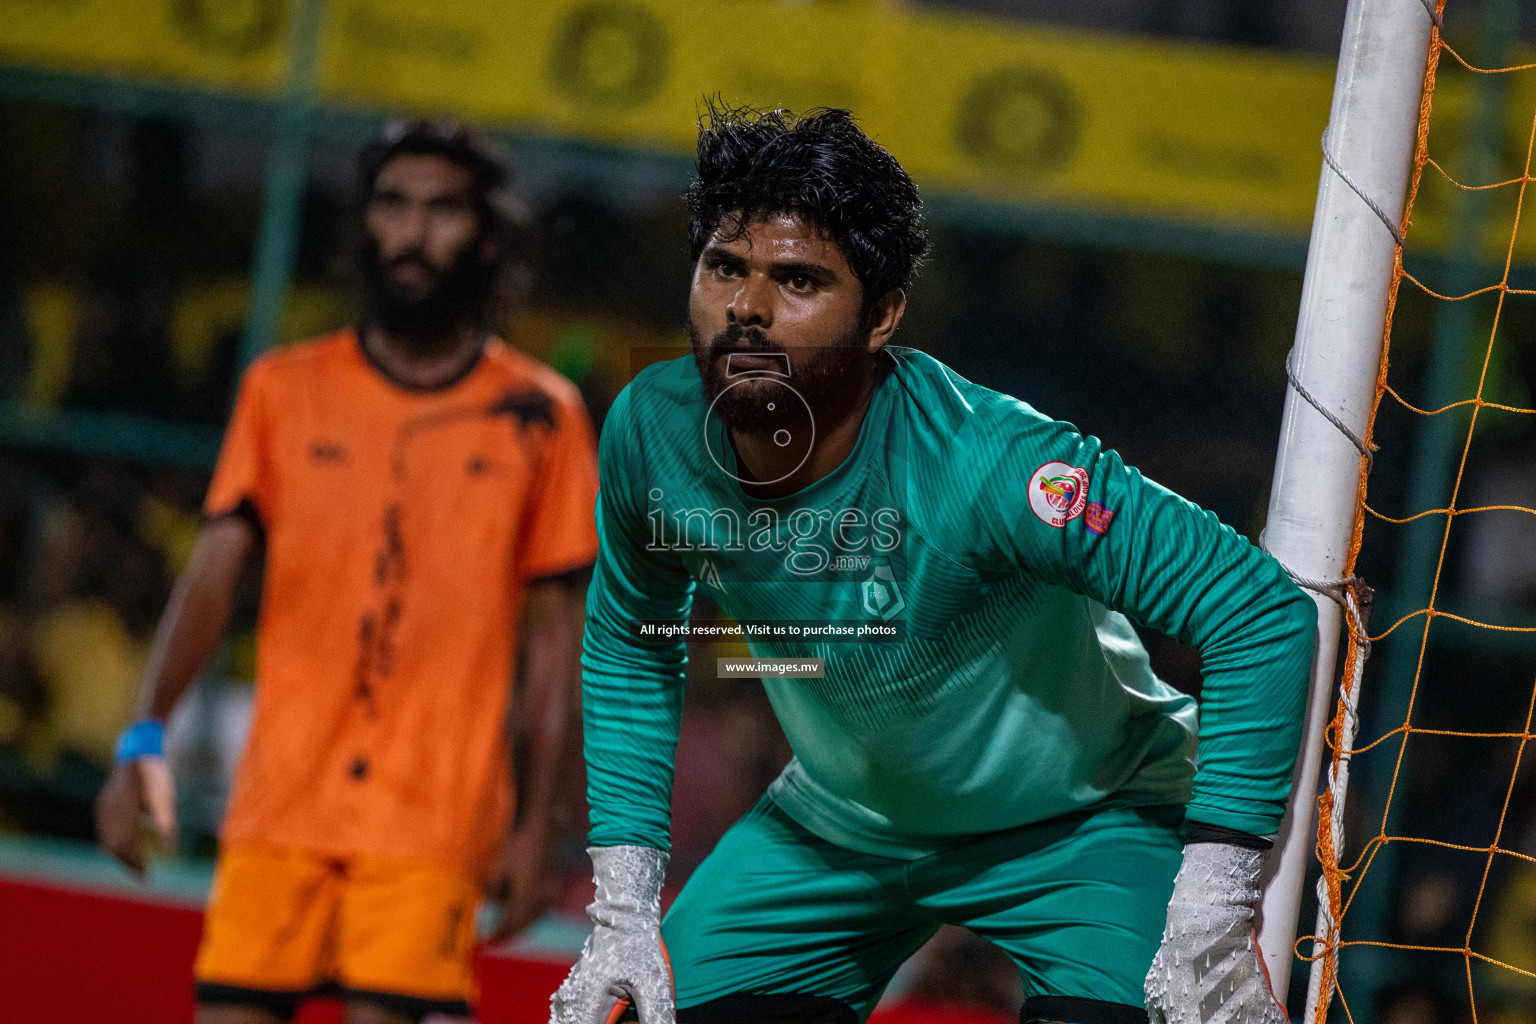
779 298
422 225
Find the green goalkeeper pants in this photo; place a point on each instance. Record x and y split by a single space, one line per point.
1077 902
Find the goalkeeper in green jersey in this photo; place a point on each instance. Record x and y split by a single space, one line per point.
993 750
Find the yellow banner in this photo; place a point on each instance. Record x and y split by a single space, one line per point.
996 109
1170 131
225 45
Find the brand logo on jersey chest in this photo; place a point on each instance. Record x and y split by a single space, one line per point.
881 595
327 453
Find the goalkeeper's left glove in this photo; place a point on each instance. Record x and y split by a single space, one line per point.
1208 969
624 960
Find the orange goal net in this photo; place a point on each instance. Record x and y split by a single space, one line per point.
1428 884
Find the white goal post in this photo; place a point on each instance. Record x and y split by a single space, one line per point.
1368 153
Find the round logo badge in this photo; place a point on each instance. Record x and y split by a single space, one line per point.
1058 493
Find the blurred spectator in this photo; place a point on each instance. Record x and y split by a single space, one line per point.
167 519
72 651
89 651
16 688
1500 561
1511 939
1415 1003
121 358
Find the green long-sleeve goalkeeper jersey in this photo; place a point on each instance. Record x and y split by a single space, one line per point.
1005 551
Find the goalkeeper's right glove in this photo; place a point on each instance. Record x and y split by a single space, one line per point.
623 961
1209 969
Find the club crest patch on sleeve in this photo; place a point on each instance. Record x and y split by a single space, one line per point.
1058 493
1097 516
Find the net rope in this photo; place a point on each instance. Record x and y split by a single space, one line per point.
1342 878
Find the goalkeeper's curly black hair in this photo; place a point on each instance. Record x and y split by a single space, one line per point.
820 167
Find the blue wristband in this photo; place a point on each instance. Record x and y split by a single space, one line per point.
144 738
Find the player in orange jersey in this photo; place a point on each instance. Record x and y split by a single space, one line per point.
425 497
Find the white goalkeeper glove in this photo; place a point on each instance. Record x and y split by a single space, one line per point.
1208 969
623 960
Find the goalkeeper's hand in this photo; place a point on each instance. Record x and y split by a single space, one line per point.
623 961
1208 969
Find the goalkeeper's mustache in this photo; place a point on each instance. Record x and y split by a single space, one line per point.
736 338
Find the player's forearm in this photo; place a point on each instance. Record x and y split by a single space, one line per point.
632 685
1254 630
546 739
632 704
630 766
196 615
551 668
1253 706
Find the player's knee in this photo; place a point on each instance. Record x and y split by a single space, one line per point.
1069 1010
234 1013
769 1009
368 1012
231 1004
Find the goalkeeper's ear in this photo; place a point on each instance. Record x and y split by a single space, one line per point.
883 317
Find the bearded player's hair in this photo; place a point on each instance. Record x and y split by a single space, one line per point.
502 213
818 166
460 145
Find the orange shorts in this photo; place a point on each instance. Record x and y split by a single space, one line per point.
284 923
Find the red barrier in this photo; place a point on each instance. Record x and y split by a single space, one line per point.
90 957
93 957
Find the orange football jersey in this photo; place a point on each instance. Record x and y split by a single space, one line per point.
402 527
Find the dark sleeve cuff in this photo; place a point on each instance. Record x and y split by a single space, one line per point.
578 576
1200 832
247 511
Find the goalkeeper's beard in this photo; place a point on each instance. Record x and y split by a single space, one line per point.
459 297
827 377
